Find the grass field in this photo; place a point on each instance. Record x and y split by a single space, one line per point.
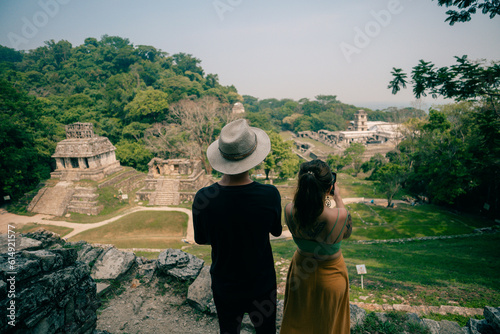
145 229
32 227
405 221
461 271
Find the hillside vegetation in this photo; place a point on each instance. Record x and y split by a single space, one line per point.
129 93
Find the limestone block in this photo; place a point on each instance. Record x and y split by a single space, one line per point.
479 326
25 268
89 254
171 258
432 325
413 317
492 314
449 327
47 238
179 264
358 315
48 260
68 255
191 271
54 293
102 287
147 270
112 264
21 243
50 324
200 292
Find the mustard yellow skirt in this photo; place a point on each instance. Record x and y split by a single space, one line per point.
316 297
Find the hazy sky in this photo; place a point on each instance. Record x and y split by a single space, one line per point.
271 48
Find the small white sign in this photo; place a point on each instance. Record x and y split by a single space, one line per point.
6 198
361 269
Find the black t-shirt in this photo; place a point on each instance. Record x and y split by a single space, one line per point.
236 221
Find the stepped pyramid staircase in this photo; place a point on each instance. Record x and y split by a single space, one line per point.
84 200
53 200
167 193
68 196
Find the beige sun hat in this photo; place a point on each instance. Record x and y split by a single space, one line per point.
239 148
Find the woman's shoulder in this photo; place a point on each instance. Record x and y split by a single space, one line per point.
332 214
335 210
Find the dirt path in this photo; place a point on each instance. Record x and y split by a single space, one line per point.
7 218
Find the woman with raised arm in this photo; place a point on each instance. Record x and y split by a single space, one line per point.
317 287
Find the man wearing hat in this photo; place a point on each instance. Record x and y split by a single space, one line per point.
235 216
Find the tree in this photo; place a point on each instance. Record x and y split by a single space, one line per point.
445 157
326 99
186 62
374 164
355 152
202 120
281 159
27 140
466 80
133 154
10 55
336 162
134 130
390 177
469 7
148 106
166 141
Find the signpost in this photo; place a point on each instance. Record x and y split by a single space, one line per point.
361 271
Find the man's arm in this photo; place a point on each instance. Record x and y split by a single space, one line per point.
201 235
276 227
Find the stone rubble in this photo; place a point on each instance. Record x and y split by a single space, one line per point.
53 291
179 264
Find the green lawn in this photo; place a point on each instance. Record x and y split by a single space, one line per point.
144 229
32 227
436 272
405 221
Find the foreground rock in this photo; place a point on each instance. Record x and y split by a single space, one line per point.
179 264
200 293
47 291
113 264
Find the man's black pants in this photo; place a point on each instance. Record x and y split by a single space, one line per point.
262 312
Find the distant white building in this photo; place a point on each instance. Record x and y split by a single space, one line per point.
360 131
238 108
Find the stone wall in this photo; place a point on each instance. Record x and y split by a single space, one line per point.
47 289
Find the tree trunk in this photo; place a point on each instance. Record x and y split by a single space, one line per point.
204 161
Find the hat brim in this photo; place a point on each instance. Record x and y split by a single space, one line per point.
230 167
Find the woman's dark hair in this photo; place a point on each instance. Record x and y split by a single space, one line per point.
315 178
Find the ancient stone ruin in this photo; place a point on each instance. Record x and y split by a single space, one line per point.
359 131
172 181
82 155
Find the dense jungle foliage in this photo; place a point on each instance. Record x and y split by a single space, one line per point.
140 97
